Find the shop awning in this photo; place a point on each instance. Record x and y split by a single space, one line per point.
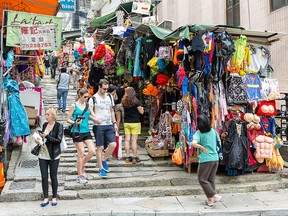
45 7
161 33
257 36
71 34
96 23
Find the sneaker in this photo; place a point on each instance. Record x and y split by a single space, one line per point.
84 174
81 179
59 108
128 159
105 166
102 173
136 160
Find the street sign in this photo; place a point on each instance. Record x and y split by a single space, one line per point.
17 19
33 37
67 6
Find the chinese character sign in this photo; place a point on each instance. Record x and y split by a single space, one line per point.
67 5
38 37
17 19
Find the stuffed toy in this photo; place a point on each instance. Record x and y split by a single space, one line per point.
267 108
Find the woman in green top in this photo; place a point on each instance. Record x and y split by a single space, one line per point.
204 140
81 132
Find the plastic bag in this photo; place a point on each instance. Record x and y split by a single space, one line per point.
63 144
177 156
117 153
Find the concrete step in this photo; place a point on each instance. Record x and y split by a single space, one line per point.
159 191
160 188
135 179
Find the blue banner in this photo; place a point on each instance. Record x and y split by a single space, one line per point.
67 5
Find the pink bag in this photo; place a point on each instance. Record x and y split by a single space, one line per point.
117 153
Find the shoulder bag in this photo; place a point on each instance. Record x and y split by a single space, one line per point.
69 130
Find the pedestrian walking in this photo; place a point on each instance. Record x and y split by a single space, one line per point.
54 65
47 64
62 89
49 154
132 124
119 110
81 83
104 130
78 115
75 74
205 141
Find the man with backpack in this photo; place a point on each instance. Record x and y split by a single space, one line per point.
104 130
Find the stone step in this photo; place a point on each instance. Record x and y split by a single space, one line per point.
159 191
32 190
174 177
130 180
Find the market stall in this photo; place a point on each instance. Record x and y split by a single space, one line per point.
223 72
23 36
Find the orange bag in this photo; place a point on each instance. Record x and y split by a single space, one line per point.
177 156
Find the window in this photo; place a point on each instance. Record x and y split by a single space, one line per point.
276 4
233 12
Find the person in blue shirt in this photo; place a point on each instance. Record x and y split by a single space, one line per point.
204 140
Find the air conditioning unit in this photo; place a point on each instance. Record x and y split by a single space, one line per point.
166 24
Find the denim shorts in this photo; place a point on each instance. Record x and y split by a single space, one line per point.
104 134
82 137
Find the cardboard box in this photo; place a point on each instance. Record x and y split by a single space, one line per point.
31 112
32 121
156 153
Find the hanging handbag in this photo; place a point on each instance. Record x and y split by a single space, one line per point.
35 150
177 156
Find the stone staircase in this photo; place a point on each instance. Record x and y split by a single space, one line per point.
149 178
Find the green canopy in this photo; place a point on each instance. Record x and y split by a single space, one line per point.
96 23
181 32
161 33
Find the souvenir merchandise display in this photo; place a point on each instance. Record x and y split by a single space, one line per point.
225 83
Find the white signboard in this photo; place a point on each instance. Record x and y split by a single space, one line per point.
151 20
89 43
67 49
26 95
38 37
141 8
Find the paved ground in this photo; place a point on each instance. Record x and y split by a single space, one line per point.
257 203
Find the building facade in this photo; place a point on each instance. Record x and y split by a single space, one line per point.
261 15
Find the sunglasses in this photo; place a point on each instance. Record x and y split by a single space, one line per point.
105 89
85 96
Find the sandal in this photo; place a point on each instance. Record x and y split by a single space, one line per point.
217 198
209 203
